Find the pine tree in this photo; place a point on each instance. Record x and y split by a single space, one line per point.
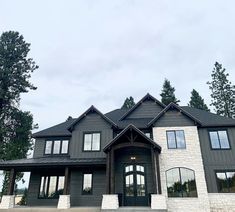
222 92
15 125
128 103
197 101
168 93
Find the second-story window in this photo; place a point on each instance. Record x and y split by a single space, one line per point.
175 139
219 139
91 142
56 147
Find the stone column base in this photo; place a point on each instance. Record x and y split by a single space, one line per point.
64 202
8 201
110 201
158 201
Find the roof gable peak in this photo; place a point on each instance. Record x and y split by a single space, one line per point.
145 98
91 109
172 105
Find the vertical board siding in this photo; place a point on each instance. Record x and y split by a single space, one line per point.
77 199
33 191
39 147
173 118
216 159
92 122
147 109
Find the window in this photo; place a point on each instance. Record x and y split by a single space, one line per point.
176 139
226 181
91 142
87 184
181 183
57 147
51 186
219 139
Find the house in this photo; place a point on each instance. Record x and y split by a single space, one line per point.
165 157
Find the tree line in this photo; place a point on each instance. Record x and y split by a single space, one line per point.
222 94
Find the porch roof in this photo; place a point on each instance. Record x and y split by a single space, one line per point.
132 128
50 162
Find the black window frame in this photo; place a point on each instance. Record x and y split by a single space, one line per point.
227 181
92 180
217 130
176 146
91 132
48 185
180 177
52 147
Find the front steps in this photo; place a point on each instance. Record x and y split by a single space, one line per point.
133 209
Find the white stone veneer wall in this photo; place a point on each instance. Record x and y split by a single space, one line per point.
189 158
222 202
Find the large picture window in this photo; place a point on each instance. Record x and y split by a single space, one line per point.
226 181
219 139
91 142
175 139
56 147
51 186
87 183
181 183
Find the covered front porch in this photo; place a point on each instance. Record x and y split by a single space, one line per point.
132 171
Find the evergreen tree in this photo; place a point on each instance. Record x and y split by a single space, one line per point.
128 103
197 101
15 125
222 92
168 93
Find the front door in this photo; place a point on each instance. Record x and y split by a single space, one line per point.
135 185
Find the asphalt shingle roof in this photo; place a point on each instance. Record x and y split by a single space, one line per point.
207 119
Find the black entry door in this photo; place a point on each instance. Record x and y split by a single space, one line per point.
135 185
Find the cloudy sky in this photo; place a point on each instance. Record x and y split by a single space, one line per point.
101 51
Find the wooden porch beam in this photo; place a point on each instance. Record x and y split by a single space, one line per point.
112 175
158 174
154 171
108 173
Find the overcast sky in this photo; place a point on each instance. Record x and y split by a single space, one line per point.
100 52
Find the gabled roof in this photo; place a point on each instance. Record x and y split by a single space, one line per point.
146 97
91 109
57 130
174 106
131 127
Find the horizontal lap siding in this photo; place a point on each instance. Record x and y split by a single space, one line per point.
92 122
173 118
99 186
216 159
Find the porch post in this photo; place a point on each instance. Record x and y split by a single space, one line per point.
64 200
108 173
8 201
154 170
66 181
112 175
11 185
158 174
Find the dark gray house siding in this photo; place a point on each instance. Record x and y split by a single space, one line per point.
90 123
99 187
173 118
39 147
147 109
216 159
